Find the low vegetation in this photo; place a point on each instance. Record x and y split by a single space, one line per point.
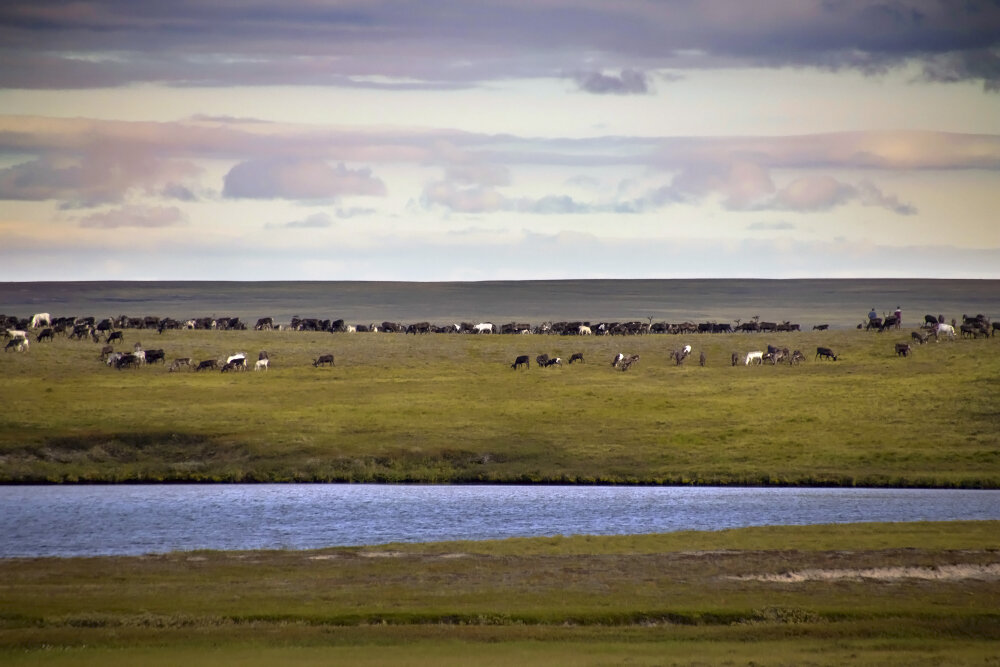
450 409
907 594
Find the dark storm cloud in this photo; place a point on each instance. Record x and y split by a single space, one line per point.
977 64
454 43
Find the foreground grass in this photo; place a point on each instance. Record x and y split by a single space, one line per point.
448 408
678 598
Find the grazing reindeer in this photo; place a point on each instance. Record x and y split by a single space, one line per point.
324 359
177 363
628 361
825 353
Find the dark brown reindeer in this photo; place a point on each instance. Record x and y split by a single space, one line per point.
323 359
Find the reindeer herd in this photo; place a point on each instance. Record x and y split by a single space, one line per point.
111 331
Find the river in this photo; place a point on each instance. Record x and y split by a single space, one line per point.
74 520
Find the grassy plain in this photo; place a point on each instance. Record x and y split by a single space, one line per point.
905 594
449 408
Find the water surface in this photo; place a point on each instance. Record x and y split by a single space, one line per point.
140 519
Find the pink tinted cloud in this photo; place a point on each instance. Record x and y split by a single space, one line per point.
820 192
463 199
482 158
298 179
80 162
741 183
92 177
815 192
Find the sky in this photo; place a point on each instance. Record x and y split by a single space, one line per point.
440 140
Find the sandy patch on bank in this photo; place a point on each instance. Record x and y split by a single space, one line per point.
390 554
937 573
381 554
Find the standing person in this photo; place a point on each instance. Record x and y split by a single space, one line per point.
899 317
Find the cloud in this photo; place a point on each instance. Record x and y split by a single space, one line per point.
479 199
870 195
43 179
92 176
475 199
816 192
85 163
584 181
819 192
980 64
552 204
741 183
125 148
314 221
179 192
373 44
354 212
134 216
285 178
478 173
628 82
745 186
770 226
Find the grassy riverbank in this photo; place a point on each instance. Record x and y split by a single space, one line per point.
924 593
449 408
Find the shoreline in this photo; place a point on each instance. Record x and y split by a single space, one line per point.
977 485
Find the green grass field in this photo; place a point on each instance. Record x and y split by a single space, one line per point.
904 594
442 408
449 408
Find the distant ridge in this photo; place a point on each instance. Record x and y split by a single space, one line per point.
837 301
